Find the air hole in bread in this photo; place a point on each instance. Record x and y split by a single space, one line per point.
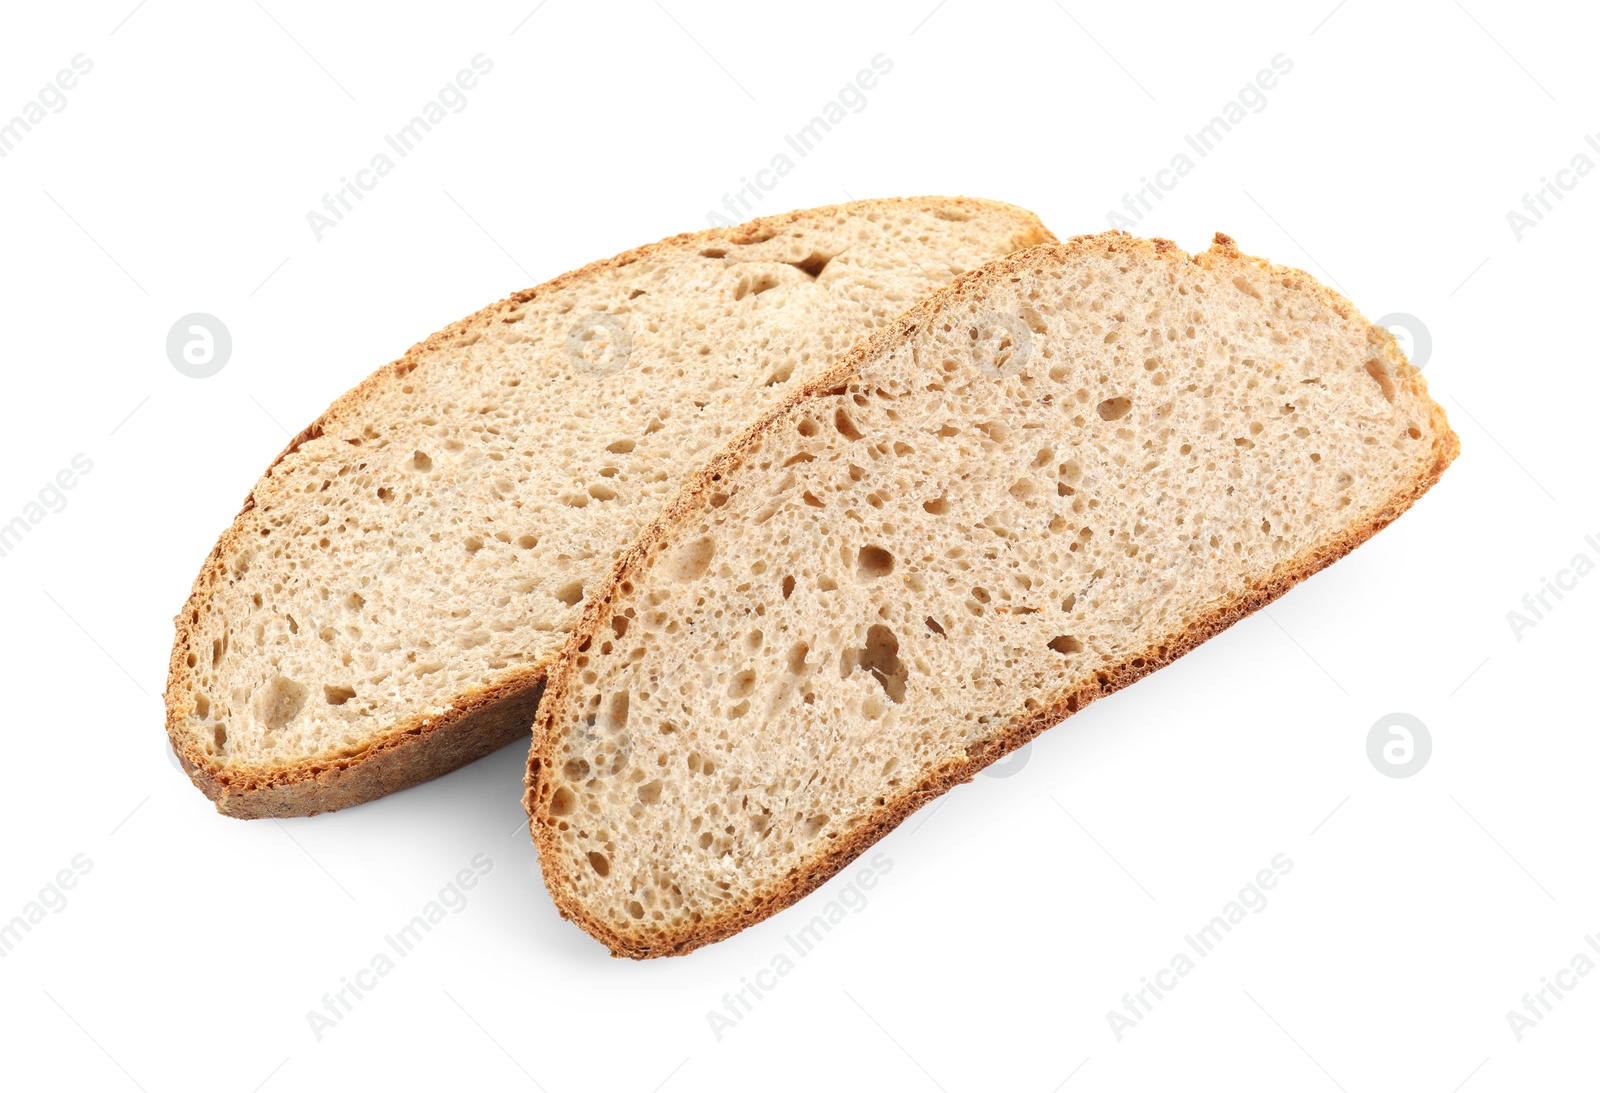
277 701
813 265
1379 373
690 561
874 562
880 656
742 684
1114 408
337 696
754 285
617 712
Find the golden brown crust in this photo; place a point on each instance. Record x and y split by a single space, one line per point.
1052 710
420 748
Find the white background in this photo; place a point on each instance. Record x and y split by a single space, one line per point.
1019 909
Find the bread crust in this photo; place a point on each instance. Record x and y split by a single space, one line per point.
419 748
1052 709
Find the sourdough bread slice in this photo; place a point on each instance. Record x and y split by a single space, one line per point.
385 607
1042 483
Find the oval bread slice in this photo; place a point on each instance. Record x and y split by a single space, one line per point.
385 607
1042 483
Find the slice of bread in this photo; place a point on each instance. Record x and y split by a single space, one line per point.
385 607
1044 482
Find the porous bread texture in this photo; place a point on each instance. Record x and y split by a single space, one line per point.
385 607
1046 481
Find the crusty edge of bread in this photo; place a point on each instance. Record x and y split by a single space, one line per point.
1052 710
419 748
